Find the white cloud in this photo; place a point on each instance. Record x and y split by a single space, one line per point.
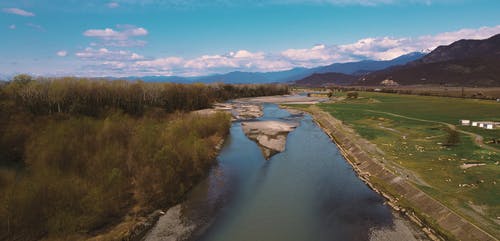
121 37
378 48
113 5
381 48
108 55
111 34
202 3
18 11
241 54
316 55
12 26
62 53
135 56
211 61
164 64
36 27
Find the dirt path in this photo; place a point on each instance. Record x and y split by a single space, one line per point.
478 139
396 189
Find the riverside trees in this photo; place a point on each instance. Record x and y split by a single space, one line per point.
77 155
91 97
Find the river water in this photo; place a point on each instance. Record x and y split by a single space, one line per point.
307 192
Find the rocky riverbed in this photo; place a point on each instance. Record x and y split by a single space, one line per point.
238 110
270 135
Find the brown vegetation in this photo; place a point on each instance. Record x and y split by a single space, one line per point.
77 155
352 94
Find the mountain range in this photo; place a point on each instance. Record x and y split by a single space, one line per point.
462 63
239 77
324 79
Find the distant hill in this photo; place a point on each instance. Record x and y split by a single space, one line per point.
236 77
464 49
175 79
324 79
462 63
366 66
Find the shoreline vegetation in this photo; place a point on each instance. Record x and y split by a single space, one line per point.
84 159
408 190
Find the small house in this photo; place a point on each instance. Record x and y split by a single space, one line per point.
465 122
490 125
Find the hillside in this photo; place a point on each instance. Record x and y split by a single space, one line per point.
462 63
369 65
464 49
317 80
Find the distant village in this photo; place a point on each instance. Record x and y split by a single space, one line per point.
490 125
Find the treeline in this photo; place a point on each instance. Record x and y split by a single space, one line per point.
92 97
80 155
439 91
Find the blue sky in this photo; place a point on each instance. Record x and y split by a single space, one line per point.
195 37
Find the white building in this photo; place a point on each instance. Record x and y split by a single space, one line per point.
465 122
490 125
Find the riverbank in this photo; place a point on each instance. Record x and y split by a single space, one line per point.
310 163
438 221
137 227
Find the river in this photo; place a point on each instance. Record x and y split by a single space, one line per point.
307 192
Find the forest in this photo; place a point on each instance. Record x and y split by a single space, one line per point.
78 155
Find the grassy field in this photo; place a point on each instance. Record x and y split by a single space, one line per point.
414 133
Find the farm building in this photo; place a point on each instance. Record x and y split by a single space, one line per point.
465 122
490 125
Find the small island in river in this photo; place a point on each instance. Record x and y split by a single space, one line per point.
270 135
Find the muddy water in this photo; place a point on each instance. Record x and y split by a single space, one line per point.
307 192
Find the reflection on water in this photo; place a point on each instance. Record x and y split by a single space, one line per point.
307 192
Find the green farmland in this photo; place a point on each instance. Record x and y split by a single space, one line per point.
420 138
